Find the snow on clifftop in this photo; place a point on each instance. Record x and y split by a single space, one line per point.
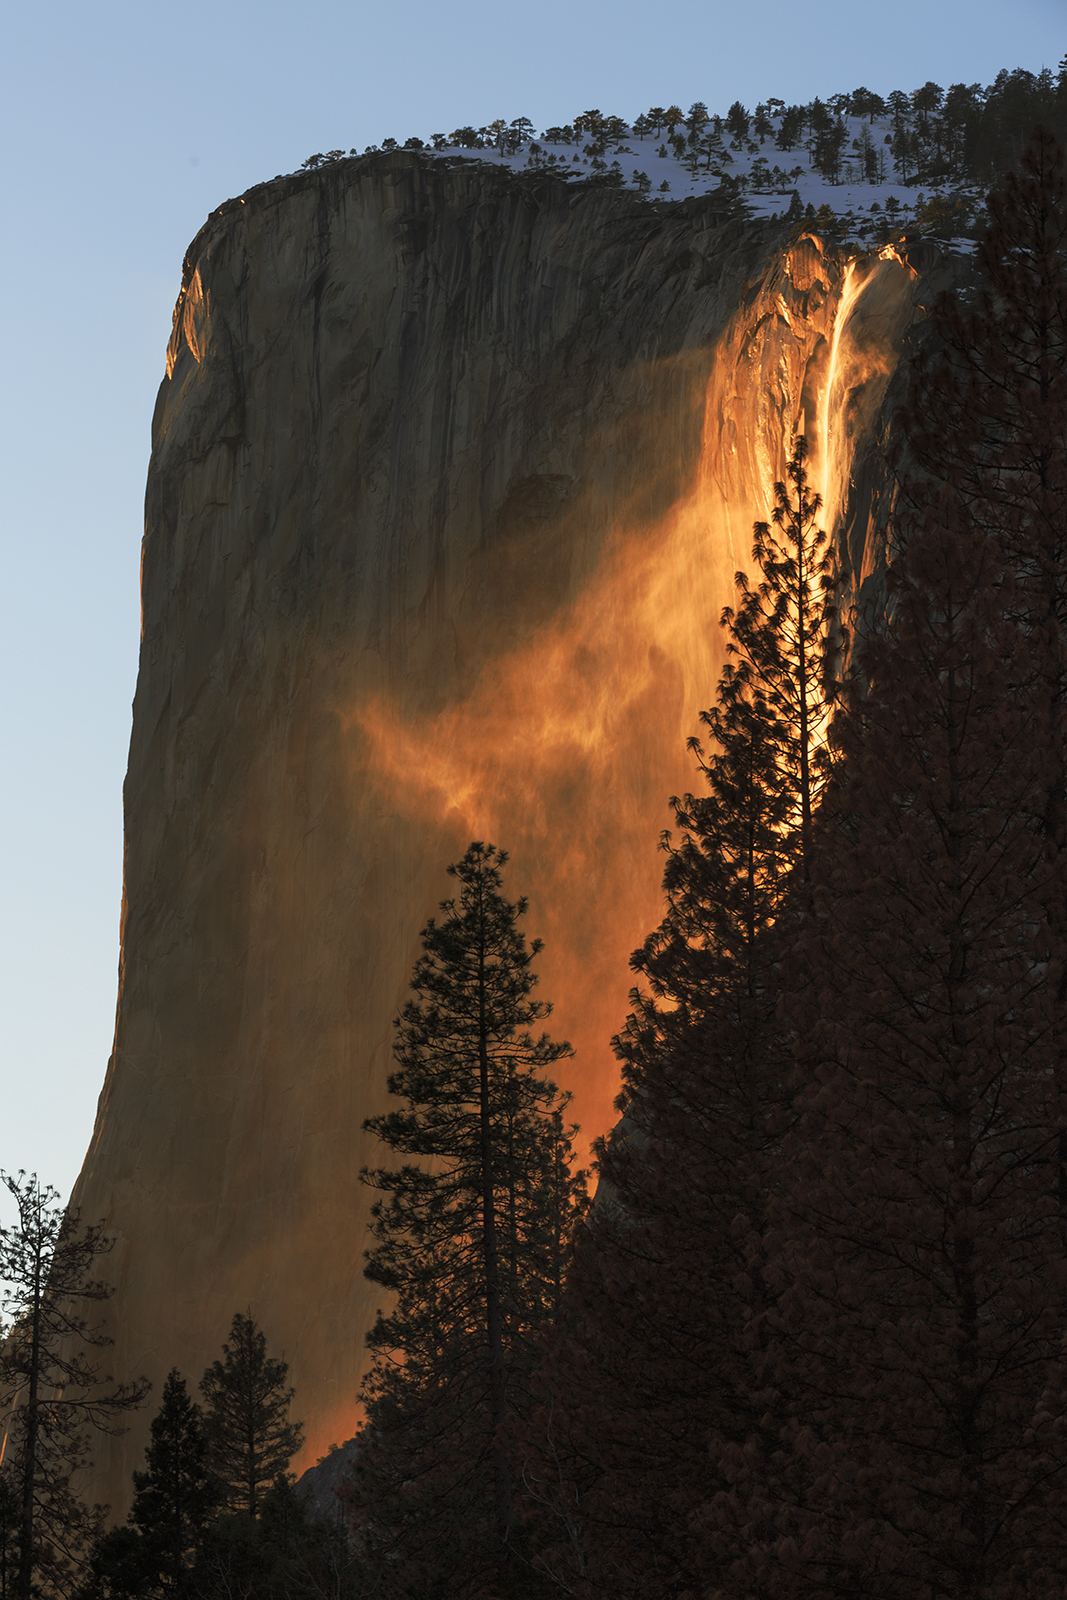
769 180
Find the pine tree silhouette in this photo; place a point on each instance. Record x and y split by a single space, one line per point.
668 1283
915 1344
246 1417
471 1240
56 1392
174 1500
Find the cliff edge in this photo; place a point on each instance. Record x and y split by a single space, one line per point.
451 473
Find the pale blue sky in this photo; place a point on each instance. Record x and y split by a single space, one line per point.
123 125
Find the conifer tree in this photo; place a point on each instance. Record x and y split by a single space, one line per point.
173 1502
117 1568
667 1281
916 1339
988 411
790 128
250 1440
737 121
54 1391
470 1240
915 1346
710 146
990 403
827 148
9 1533
175 1497
778 638
697 120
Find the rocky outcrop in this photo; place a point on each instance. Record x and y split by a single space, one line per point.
322 1486
451 472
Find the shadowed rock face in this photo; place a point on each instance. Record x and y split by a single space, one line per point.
451 472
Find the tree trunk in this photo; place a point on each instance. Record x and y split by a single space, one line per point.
491 1257
24 1583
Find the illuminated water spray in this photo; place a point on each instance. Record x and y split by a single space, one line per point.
860 364
565 747
831 410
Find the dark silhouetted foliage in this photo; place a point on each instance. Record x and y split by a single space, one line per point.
471 1241
250 1440
58 1393
667 1280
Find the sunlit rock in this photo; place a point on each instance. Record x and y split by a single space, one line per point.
451 473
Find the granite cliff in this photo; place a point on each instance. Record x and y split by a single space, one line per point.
451 472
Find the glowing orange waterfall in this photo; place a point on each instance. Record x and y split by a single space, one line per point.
566 748
831 444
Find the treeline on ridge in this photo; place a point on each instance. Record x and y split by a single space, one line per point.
807 1343
965 134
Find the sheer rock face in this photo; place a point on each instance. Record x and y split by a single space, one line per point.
451 472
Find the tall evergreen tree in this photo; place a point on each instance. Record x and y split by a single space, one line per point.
988 413
250 1440
173 1502
175 1497
916 1339
55 1391
470 1240
779 641
915 1347
667 1281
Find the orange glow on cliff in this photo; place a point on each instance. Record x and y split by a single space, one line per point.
861 362
565 749
564 754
